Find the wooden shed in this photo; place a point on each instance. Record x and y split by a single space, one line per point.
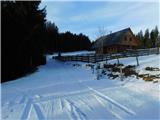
116 42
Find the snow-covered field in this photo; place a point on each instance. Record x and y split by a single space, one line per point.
61 90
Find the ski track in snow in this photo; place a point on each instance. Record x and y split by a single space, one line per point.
110 100
66 103
27 109
74 112
39 112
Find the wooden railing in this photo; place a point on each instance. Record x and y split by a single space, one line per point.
89 59
98 58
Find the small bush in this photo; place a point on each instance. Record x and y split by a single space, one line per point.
131 66
128 71
143 75
103 72
152 69
112 76
89 65
76 65
115 69
108 66
120 64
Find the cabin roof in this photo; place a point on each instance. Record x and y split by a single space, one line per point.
110 39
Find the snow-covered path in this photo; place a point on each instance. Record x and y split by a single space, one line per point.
60 91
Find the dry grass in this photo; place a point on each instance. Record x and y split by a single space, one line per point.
148 77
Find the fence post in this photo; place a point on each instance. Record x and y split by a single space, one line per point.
88 58
117 60
95 58
121 74
106 59
137 59
110 55
98 71
157 50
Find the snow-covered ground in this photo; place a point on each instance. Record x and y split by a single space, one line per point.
61 90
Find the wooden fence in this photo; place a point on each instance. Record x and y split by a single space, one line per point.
105 57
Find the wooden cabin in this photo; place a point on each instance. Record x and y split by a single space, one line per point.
116 42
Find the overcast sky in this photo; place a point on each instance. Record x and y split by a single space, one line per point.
88 16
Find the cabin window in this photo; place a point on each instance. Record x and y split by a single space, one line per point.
130 39
125 38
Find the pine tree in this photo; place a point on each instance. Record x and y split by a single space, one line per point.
146 41
23 26
156 35
140 38
51 37
153 38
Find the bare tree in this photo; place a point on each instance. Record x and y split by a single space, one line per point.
101 31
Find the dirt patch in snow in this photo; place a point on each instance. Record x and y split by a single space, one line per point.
152 69
148 77
130 70
126 71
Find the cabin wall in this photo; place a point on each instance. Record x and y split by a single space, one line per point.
129 40
99 50
110 49
113 49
